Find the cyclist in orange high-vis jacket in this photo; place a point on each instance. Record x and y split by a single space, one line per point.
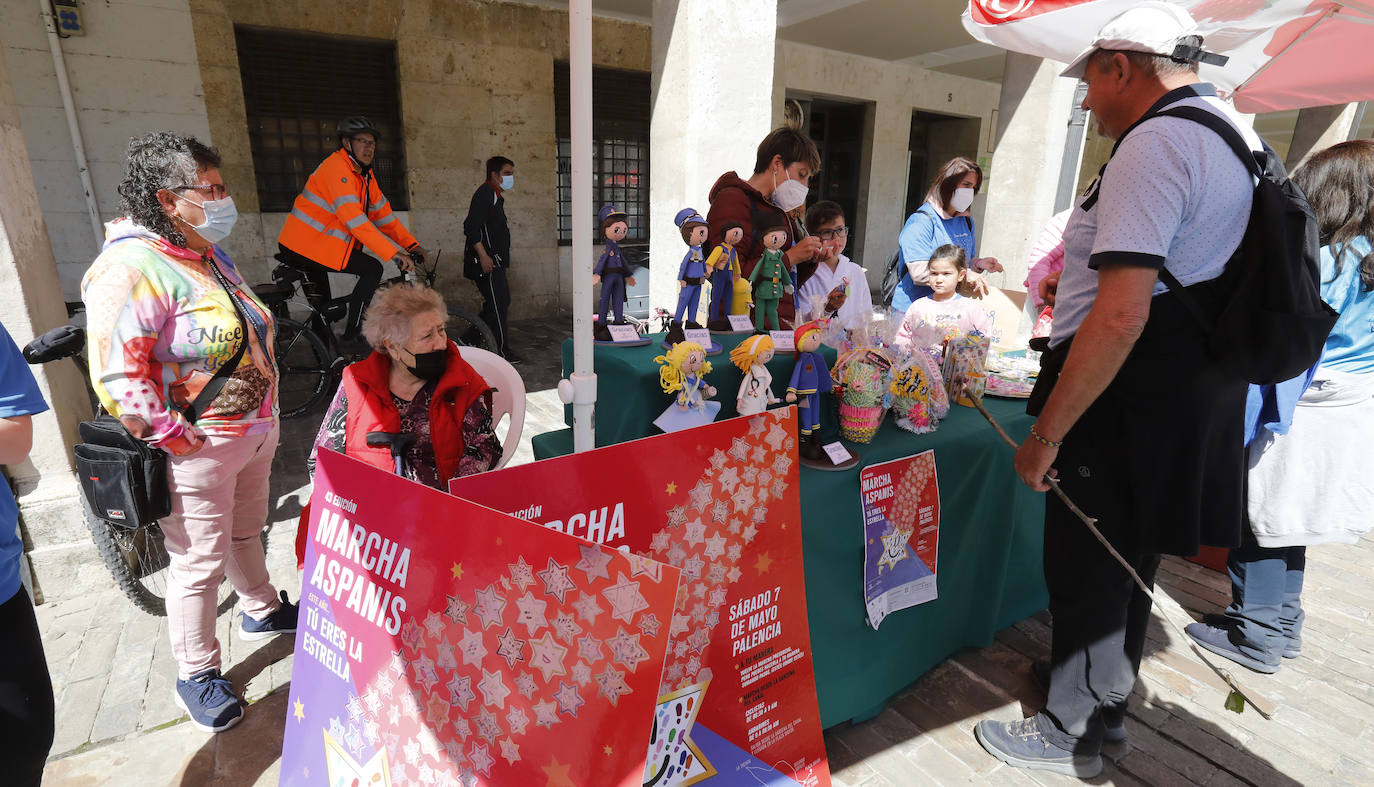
341 213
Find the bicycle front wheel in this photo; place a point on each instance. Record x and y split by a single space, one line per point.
303 369
138 560
468 330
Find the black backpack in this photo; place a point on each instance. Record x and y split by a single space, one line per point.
1274 322
892 276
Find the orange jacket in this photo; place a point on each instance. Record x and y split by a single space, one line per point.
337 208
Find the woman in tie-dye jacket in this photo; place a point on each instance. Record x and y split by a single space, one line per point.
159 325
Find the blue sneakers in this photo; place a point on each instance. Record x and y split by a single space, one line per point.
1219 641
283 621
210 701
1020 744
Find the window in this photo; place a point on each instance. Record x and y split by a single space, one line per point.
620 148
296 89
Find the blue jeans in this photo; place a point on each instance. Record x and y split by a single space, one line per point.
1266 590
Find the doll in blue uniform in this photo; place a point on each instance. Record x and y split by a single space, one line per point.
611 270
810 379
693 269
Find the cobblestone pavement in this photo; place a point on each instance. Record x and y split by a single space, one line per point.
117 723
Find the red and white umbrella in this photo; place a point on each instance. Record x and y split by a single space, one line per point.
1284 54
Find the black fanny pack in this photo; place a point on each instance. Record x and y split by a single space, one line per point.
123 478
691 281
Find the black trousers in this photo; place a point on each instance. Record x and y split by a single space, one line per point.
495 293
361 264
26 701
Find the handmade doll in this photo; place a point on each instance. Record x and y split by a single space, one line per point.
756 390
612 271
810 379
682 370
771 278
693 269
723 264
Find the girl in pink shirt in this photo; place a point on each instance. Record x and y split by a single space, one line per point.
931 321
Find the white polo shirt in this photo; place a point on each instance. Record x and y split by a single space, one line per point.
1173 195
858 307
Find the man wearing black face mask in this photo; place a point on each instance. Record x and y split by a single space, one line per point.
341 212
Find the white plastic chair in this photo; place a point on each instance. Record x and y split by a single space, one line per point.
508 398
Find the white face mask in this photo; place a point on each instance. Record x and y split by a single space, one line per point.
507 182
789 194
962 198
220 216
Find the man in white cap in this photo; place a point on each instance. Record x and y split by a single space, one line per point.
1138 423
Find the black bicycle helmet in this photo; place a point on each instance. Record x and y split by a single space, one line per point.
357 125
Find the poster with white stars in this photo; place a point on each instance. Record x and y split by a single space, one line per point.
901 507
444 643
737 704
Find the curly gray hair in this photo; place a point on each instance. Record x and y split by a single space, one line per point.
393 307
157 161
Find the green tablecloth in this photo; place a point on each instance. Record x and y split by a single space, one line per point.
989 574
629 397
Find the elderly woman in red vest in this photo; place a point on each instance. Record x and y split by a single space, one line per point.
416 382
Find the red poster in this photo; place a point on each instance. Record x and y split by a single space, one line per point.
443 643
901 505
738 697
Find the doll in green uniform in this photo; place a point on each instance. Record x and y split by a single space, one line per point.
770 278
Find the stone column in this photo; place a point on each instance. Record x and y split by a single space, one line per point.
1319 128
712 105
1029 151
30 304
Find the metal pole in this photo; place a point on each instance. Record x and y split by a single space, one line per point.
1073 151
64 87
583 377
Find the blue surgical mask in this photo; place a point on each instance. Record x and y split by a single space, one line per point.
220 216
507 182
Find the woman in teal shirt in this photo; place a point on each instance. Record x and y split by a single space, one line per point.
943 218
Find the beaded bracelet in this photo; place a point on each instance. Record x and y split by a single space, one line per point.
1039 438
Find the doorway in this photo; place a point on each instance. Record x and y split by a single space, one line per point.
934 140
838 129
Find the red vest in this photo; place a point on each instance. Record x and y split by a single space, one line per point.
370 409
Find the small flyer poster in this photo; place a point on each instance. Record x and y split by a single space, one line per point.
737 704
901 507
443 643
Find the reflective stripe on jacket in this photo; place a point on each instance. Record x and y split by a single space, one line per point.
338 206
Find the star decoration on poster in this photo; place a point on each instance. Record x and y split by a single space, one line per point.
521 573
626 649
531 612
547 656
625 599
456 611
592 562
511 648
556 581
489 607
568 699
894 550
460 691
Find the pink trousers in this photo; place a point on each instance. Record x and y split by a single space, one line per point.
219 508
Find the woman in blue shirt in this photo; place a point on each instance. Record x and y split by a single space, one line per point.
26 702
1310 485
942 218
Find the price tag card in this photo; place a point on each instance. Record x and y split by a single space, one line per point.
623 333
782 341
741 322
838 454
698 335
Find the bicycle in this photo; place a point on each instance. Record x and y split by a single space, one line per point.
310 360
136 557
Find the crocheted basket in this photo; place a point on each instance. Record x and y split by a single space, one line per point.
859 424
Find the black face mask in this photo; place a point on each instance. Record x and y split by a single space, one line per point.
429 366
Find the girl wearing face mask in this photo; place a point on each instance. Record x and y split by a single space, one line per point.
414 382
167 309
785 162
942 218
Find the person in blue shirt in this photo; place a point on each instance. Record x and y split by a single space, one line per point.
942 218
26 700
1309 480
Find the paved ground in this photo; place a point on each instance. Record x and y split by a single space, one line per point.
117 724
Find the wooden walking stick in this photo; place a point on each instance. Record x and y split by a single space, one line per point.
1238 696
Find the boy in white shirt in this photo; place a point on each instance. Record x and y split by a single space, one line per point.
944 314
838 289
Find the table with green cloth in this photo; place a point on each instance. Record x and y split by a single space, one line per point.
989 574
